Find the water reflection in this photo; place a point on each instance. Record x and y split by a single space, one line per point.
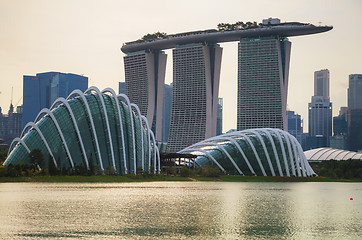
178 210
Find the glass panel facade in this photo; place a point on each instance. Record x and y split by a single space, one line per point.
267 143
106 120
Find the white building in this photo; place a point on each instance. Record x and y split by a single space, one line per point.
263 70
145 79
196 74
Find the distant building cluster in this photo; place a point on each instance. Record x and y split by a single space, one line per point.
10 124
39 91
347 126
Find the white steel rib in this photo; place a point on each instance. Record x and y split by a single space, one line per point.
141 132
128 104
114 95
223 150
154 151
236 144
32 125
107 121
254 150
205 152
18 140
80 94
265 150
283 150
158 160
274 150
149 139
305 166
287 139
70 111
296 159
46 111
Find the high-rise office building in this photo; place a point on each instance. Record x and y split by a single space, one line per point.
220 106
295 125
321 83
355 91
121 88
320 110
354 113
354 125
145 79
196 71
339 138
263 70
42 90
166 113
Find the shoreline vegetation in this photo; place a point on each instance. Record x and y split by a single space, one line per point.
327 171
158 178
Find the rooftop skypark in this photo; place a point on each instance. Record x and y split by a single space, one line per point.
225 32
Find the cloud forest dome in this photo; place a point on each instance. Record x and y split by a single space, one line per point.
261 152
90 129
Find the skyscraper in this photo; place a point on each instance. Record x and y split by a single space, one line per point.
295 125
220 106
145 79
263 70
41 90
339 138
320 109
354 113
121 87
196 74
166 113
355 91
354 122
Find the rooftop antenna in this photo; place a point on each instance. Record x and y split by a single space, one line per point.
12 90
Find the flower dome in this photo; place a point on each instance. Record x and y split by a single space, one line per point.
90 129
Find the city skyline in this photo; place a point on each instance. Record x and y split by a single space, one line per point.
88 42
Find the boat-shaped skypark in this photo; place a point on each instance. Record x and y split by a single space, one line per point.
263 71
214 36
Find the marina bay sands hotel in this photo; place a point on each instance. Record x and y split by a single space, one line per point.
263 69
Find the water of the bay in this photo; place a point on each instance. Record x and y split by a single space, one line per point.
181 210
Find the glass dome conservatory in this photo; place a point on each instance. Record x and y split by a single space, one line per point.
90 129
262 152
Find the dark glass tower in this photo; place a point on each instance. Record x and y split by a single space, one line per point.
42 90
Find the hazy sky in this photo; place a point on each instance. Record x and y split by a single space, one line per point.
84 37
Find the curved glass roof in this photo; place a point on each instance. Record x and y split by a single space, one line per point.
90 129
322 154
262 152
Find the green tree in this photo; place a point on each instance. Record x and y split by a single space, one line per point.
3 155
36 159
53 170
